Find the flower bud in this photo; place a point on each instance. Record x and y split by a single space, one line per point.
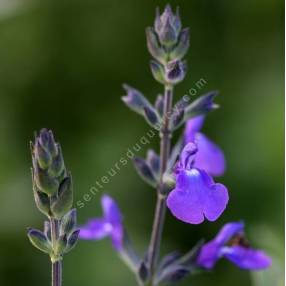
143 272
57 167
151 117
72 240
202 105
43 157
180 50
46 139
68 222
144 171
175 72
158 71
154 46
39 240
168 26
135 100
42 202
153 160
167 34
48 163
44 182
64 200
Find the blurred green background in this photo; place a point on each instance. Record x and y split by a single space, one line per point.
62 64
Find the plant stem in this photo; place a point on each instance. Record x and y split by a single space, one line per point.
159 218
56 266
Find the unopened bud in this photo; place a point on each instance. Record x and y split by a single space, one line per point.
154 46
39 240
202 105
47 140
168 26
158 72
72 240
135 100
175 72
68 222
180 50
153 160
64 200
43 157
151 116
144 171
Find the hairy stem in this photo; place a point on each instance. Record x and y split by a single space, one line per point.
159 218
56 266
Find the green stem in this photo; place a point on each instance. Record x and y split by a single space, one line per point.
56 266
129 261
159 218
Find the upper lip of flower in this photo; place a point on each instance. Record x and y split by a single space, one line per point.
209 156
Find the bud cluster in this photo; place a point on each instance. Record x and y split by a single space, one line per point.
52 187
181 112
168 43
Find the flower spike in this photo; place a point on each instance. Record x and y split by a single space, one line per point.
53 193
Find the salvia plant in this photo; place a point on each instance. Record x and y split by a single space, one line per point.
181 174
52 188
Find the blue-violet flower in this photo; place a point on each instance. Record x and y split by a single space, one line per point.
109 225
196 195
209 157
230 243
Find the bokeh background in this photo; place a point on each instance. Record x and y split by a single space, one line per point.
62 64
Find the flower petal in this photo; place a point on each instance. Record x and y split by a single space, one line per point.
94 229
209 254
247 258
209 156
193 126
111 211
216 199
113 215
117 237
197 195
184 207
228 231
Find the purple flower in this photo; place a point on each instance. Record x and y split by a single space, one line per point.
209 157
109 225
196 195
230 243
